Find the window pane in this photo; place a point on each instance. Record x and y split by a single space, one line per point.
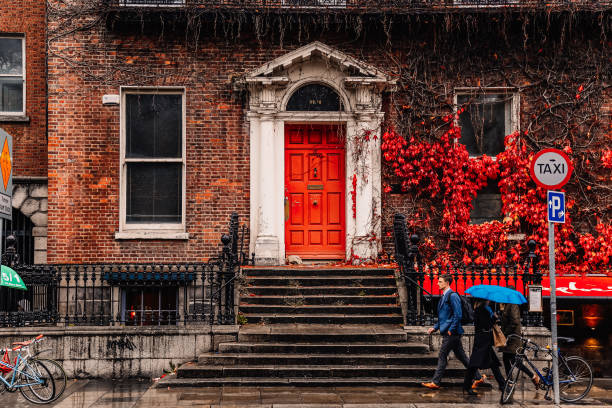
314 97
487 205
11 59
154 193
11 94
483 124
154 125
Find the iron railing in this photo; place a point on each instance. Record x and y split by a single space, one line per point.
126 294
420 278
377 6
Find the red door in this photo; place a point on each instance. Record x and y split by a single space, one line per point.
314 191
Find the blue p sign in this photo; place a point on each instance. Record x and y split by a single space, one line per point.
556 207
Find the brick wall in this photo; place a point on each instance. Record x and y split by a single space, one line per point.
84 136
27 17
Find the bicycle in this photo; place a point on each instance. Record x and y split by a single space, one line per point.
575 374
32 378
55 368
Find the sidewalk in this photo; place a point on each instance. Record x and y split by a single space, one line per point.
139 394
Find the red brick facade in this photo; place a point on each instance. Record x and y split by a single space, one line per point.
27 19
84 135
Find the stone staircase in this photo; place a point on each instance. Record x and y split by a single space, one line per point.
320 295
316 326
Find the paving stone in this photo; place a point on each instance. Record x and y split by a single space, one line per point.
360 398
320 397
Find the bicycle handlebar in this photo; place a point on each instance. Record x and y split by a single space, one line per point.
25 344
528 344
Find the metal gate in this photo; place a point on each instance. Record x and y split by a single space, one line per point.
21 229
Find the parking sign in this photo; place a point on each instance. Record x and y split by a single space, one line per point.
556 207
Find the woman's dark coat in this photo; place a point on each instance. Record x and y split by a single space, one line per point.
483 355
511 324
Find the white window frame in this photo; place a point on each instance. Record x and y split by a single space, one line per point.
512 119
151 230
23 75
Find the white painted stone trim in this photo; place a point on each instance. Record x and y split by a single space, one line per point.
268 97
304 54
151 235
32 201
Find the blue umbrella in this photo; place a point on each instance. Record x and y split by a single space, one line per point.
497 294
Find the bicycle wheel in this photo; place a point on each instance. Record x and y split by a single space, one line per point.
511 381
58 374
38 385
575 379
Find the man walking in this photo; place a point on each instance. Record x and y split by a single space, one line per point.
449 324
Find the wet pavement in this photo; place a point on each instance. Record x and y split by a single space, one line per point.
141 394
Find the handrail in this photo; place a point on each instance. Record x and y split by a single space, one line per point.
417 284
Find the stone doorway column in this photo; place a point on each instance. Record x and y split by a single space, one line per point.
267 250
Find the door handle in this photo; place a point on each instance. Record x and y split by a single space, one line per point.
315 203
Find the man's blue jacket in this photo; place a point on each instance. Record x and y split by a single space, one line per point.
449 314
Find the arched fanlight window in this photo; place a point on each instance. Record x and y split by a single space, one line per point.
315 97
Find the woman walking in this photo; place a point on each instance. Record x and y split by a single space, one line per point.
483 355
511 324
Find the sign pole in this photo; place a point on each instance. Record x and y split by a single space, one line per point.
553 309
551 169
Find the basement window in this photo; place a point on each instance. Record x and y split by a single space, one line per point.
149 306
152 164
12 76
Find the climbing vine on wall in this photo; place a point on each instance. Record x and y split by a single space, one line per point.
442 169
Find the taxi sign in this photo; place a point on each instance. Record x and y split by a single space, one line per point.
551 168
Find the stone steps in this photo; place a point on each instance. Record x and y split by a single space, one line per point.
312 371
287 333
270 318
317 271
317 326
262 290
324 348
334 299
331 280
364 309
296 359
173 381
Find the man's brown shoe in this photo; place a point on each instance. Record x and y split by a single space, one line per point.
479 382
431 385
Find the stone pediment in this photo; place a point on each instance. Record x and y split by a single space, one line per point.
275 70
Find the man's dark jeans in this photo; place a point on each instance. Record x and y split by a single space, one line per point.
452 342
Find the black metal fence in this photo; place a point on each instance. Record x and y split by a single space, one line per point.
127 294
420 278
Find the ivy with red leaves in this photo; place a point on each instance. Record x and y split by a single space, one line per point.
442 169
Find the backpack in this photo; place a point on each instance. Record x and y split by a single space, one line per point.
467 311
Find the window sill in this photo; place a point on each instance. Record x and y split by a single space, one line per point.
151 235
516 237
14 118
